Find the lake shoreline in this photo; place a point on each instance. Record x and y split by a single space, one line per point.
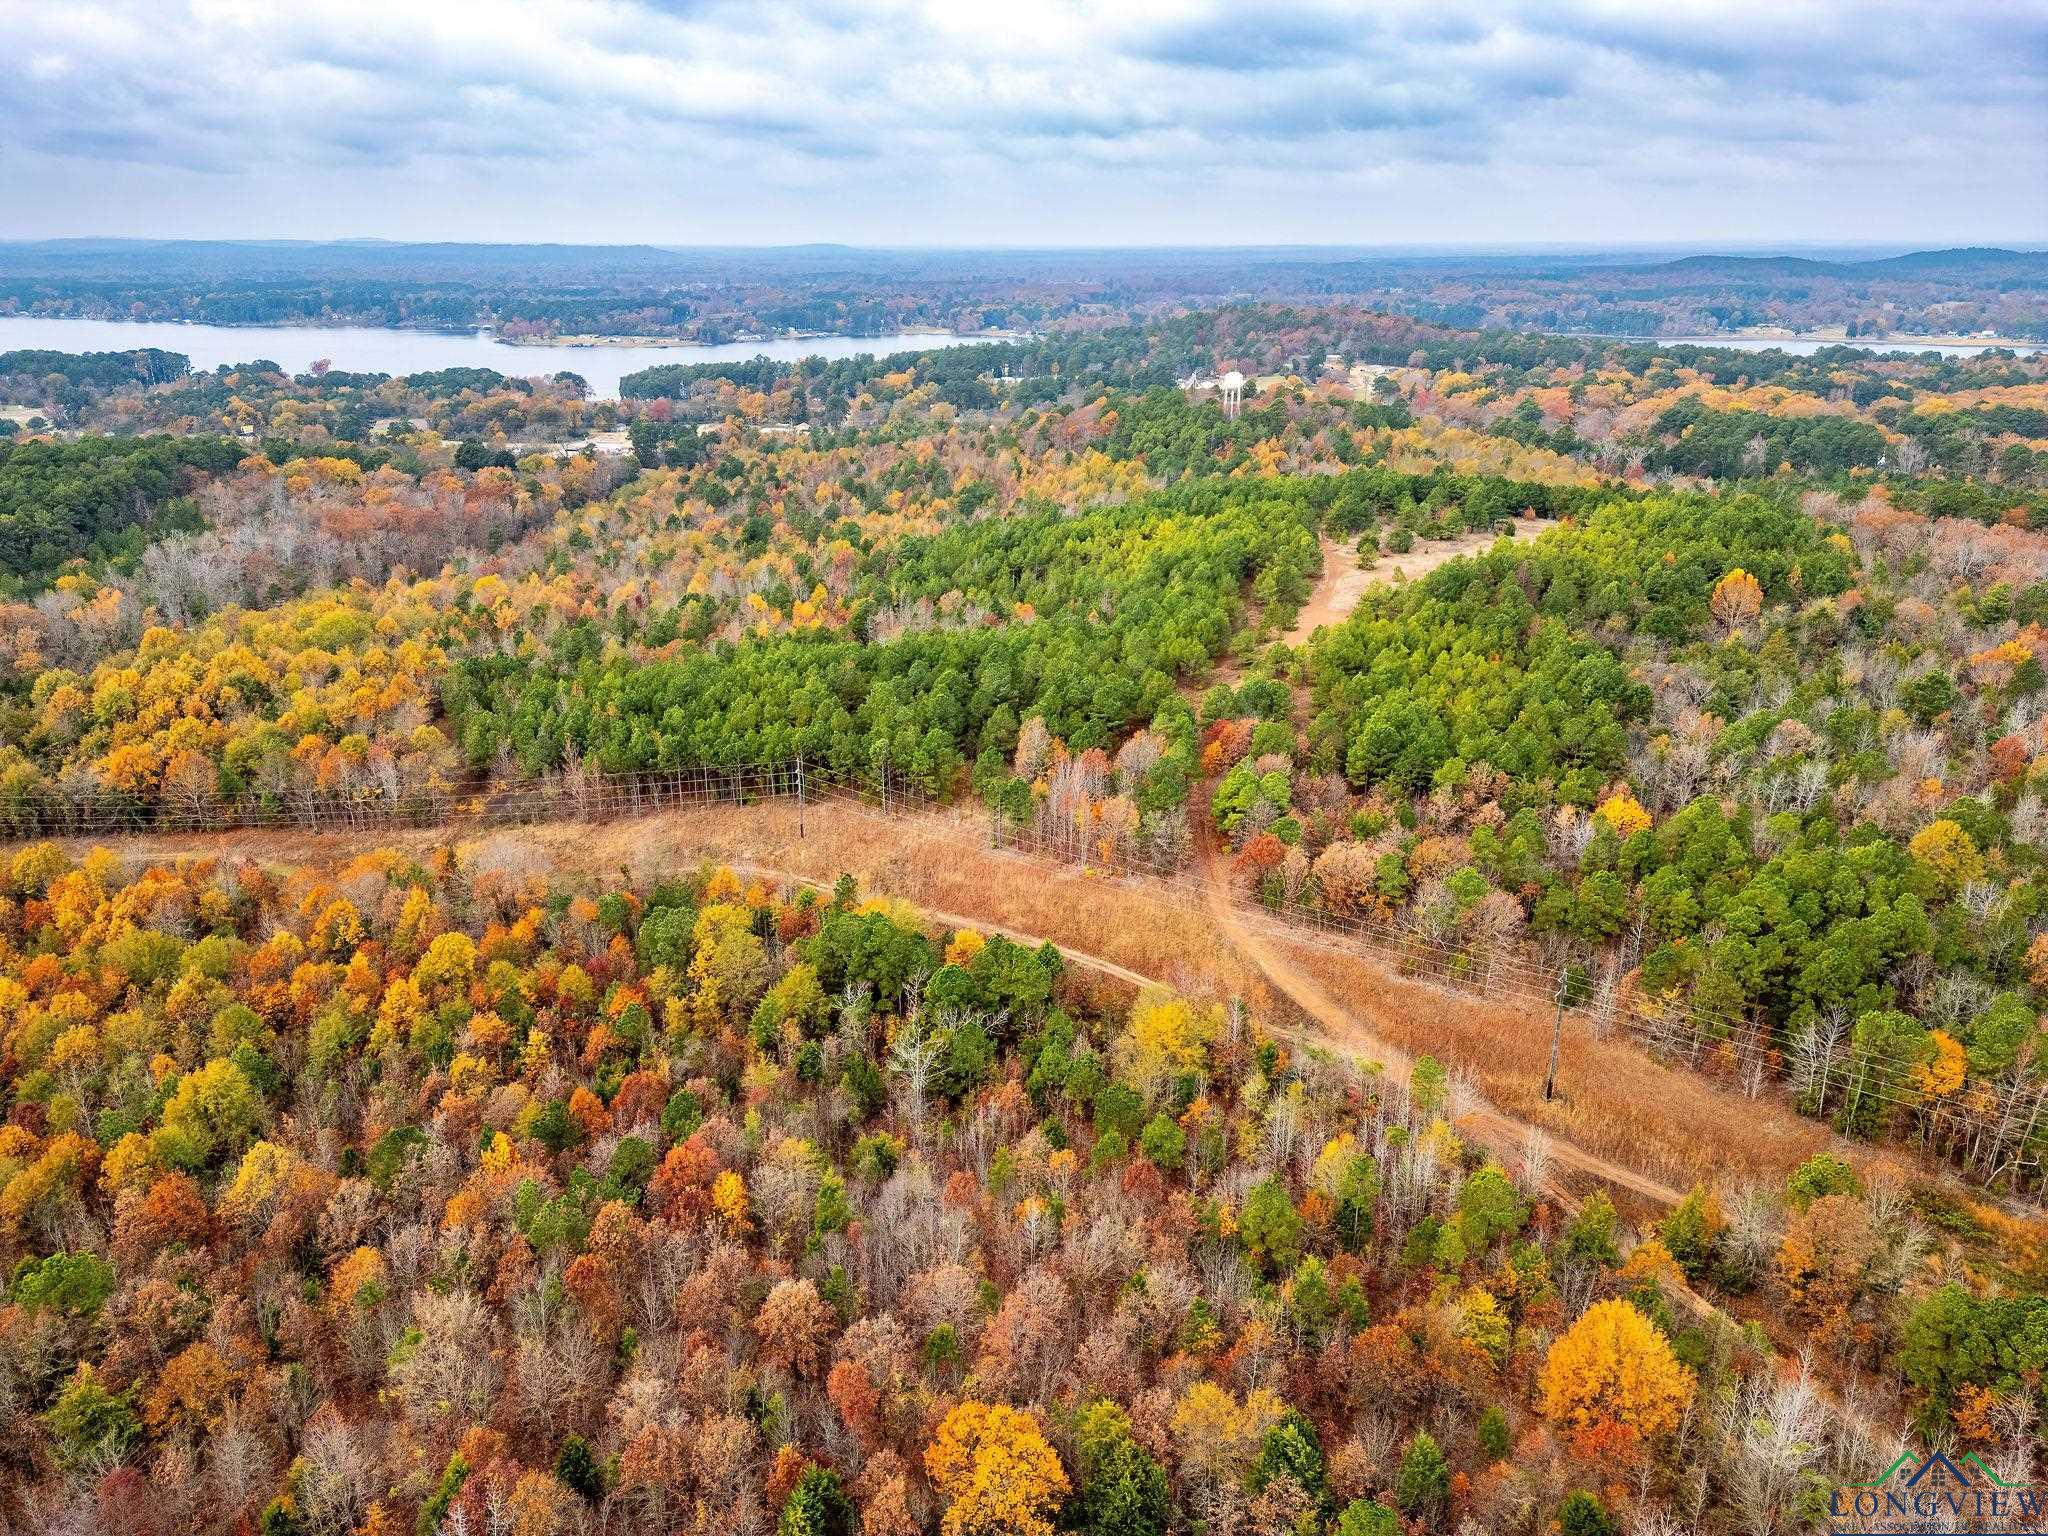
956 338
1908 342
576 339
1764 341
404 350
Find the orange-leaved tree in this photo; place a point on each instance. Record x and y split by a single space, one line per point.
1613 1367
996 1468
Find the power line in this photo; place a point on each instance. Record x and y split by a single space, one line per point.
1665 1027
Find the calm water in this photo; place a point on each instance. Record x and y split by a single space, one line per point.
368 349
371 349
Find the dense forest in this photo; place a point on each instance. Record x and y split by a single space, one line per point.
427 1182
1022 603
99 499
429 1197
1085 623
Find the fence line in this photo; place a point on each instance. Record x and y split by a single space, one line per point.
574 794
1675 1030
1501 969
1483 971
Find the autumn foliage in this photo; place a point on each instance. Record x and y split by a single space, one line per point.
1613 1369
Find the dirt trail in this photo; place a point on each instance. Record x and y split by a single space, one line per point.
1135 932
1336 593
1342 583
1345 1027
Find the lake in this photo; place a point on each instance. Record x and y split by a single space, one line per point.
374 349
371 349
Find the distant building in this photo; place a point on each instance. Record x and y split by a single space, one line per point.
1230 386
604 444
765 428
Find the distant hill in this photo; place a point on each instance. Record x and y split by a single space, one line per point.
716 294
144 260
1980 259
1970 262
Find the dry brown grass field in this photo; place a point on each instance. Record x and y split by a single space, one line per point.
1645 1129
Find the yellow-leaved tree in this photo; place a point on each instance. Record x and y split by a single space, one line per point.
995 1467
965 946
1944 1070
1738 597
1623 812
1949 852
1612 1367
729 966
1215 1435
1168 1037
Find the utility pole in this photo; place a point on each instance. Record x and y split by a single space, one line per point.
1556 1037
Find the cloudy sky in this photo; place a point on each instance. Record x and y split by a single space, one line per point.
1029 122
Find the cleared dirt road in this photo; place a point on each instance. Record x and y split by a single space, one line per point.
1342 583
1645 1128
1347 1027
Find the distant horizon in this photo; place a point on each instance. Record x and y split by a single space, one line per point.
1872 249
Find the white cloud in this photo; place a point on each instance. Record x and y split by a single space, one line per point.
1147 120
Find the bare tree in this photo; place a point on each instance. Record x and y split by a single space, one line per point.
914 1060
1818 1054
1751 1239
339 1477
447 1373
1536 1158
